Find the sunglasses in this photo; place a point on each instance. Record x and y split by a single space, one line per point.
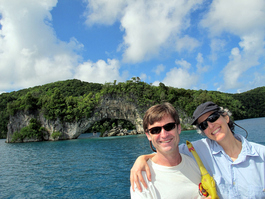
167 127
212 118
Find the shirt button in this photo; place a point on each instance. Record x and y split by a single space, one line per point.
234 183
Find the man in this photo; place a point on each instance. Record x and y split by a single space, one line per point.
174 175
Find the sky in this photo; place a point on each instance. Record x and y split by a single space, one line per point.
192 44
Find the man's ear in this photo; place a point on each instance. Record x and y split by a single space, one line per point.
148 136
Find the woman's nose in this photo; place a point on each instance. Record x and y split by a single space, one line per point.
210 124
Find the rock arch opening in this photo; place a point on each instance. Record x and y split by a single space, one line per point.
104 125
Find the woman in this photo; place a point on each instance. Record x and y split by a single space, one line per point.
237 165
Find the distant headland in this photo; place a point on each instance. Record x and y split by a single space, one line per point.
65 109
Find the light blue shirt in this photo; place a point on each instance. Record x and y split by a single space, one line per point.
243 178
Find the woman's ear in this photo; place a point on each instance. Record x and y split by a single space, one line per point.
227 118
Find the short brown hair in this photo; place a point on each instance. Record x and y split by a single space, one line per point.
157 112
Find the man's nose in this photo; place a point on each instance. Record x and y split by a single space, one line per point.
163 132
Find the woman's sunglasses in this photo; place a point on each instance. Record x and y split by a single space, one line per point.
157 129
212 118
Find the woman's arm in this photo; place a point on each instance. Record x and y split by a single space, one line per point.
136 171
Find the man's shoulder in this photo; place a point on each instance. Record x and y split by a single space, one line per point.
187 159
150 192
189 163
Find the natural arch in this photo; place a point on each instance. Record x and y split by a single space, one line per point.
116 108
107 124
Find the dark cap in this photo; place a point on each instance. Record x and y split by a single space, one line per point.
203 108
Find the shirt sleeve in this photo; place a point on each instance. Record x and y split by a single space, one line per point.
149 193
145 194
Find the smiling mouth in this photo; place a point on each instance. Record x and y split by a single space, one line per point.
216 131
166 141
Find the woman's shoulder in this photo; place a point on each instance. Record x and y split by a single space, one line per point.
258 147
202 144
253 147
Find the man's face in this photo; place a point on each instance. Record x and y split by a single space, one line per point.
165 142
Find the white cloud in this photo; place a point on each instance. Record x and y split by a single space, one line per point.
239 17
258 81
233 70
241 61
156 83
245 20
217 47
186 43
199 58
183 63
160 68
104 11
199 65
99 72
149 26
143 77
30 52
180 77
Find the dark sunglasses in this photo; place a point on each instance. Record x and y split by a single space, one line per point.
167 127
212 118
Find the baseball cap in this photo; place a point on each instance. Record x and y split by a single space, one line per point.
203 108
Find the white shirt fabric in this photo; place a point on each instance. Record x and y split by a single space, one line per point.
177 182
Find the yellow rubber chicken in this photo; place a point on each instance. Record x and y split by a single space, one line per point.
207 186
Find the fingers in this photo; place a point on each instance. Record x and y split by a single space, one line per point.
132 181
148 174
135 181
136 177
141 179
138 184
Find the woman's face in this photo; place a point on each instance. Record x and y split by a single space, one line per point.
217 130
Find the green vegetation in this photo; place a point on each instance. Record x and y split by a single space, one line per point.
33 130
107 124
73 99
253 102
56 135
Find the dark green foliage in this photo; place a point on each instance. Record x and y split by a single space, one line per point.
108 123
253 102
33 130
56 134
72 99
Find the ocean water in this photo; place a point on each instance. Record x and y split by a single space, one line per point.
83 168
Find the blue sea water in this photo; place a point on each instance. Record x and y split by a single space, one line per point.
83 168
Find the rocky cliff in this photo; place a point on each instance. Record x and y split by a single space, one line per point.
117 108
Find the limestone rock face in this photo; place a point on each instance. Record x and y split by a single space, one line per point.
117 108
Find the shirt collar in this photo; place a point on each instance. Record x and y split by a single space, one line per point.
247 149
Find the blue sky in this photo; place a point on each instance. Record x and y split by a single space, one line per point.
211 45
